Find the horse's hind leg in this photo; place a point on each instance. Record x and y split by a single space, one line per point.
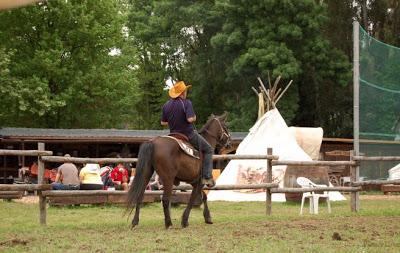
166 200
195 192
206 211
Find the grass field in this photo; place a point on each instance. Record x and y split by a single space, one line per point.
238 227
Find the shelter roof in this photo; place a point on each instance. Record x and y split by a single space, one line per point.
90 135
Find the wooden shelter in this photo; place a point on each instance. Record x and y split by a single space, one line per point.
77 143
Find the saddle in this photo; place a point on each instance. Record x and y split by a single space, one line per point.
184 144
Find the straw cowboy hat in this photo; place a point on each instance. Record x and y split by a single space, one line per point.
178 89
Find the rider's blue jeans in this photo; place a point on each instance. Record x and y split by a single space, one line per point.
203 146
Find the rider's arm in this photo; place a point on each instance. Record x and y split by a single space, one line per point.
191 119
164 118
190 115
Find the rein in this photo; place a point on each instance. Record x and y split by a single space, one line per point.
223 132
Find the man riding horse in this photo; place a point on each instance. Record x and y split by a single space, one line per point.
174 161
179 115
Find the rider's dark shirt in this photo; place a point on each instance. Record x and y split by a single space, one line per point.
176 112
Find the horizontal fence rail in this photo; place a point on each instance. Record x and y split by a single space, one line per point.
24 152
314 163
376 158
244 157
71 193
9 192
183 187
231 187
375 182
24 187
78 193
315 189
63 159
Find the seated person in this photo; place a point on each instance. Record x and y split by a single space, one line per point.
105 173
155 182
34 170
119 177
23 174
133 171
53 175
50 175
67 177
89 177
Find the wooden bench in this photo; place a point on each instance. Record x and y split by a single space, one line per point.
8 195
387 188
77 197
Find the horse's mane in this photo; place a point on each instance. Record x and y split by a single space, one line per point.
207 124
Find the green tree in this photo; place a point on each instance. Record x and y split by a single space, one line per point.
284 37
174 38
61 71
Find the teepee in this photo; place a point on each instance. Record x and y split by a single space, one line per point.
270 131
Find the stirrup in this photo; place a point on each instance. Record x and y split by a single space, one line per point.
209 182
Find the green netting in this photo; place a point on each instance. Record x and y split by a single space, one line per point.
379 104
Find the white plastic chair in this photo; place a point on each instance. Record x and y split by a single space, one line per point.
312 196
344 181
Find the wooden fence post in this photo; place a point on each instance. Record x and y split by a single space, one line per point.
354 177
42 199
269 180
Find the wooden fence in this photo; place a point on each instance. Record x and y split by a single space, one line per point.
44 190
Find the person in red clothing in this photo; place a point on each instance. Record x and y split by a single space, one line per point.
119 177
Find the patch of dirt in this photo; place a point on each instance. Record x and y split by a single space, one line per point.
14 242
336 236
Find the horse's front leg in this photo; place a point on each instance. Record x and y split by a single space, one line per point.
206 211
166 200
195 192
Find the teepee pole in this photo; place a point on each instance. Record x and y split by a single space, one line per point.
283 92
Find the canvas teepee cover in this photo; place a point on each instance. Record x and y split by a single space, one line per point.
269 131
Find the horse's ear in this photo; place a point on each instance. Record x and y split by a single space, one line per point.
212 115
224 116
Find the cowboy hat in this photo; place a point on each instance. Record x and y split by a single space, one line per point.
178 89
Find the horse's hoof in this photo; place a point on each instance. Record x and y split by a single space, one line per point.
134 224
168 226
209 221
185 224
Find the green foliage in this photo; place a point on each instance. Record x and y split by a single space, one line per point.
57 71
60 70
283 37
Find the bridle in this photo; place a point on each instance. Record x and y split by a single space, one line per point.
224 133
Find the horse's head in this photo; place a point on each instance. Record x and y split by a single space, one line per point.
216 128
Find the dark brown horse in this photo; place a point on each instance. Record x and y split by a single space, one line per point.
164 156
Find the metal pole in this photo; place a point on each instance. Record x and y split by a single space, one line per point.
355 196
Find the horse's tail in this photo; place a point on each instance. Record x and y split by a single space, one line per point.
144 170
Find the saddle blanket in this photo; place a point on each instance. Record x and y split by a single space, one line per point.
188 149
